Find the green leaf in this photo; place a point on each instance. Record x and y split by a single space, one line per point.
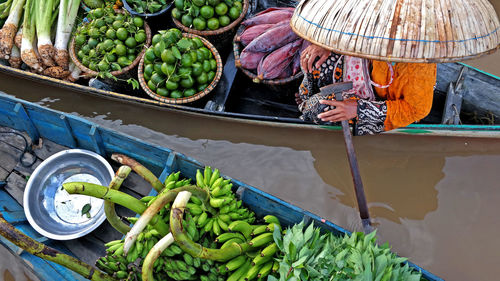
134 83
185 44
278 238
300 261
292 250
86 209
309 232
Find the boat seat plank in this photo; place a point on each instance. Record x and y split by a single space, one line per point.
87 248
15 187
9 155
3 173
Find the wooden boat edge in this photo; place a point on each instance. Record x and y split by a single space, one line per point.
66 129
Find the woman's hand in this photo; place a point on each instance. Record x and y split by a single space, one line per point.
309 55
344 110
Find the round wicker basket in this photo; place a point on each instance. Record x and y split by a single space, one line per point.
221 36
272 82
197 96
88 73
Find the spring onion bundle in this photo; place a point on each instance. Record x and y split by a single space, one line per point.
8 32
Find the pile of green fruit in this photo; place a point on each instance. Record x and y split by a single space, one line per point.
177 66
148 6
110 41
207 14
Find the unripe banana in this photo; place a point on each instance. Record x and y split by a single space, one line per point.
229 235
265 269
259 230
222 224
236 263
225 217
202 219
230 242
199 179
241 272
194 209
272 219
252 272
209 225
261 240
276 266
175 249
119 251
258 260
217 202
269 251
242 227
270 227
216 227
111 243
215 177
113 248
188 259
207 175
120 274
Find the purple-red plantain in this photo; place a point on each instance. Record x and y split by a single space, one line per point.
250 60
275 63
274 9
270 17
252 32
272 39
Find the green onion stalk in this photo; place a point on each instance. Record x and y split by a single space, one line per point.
8 32
161 200
40 250
189 246
28 52
15 57
115 196
68 10
139 169
43 15
109 207
74 70
154 253
19 37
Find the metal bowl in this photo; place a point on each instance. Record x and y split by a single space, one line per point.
51 210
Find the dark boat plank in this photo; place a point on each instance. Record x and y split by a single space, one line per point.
3 173
15 187
135 183
88 248
48 148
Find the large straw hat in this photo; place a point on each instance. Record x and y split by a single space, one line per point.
400 30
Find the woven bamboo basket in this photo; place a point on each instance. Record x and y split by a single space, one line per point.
219 37
197 96
400 30
284 84
123 73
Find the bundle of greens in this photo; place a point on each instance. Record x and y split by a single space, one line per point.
148 6
308 255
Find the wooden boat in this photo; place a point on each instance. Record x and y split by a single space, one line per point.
238 98
61 131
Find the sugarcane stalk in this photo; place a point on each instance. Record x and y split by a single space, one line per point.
161 200
189 246
154 253
40 250
109 207
114 196
139 169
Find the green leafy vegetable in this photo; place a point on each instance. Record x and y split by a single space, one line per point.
86 210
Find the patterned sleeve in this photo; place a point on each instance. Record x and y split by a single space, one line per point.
371 117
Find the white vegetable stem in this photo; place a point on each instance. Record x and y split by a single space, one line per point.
28 54
68 10
8 32
154 253
44 10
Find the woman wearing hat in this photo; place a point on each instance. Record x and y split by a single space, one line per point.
385 96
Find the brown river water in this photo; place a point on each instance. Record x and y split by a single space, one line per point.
434 199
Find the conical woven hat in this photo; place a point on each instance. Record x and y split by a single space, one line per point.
400 30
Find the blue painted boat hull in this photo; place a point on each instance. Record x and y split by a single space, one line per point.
76 132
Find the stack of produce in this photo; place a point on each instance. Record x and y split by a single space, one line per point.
203 232
148 6
207 14
177 66
40 19
110 41
272 50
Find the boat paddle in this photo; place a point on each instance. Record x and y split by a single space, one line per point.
337 89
